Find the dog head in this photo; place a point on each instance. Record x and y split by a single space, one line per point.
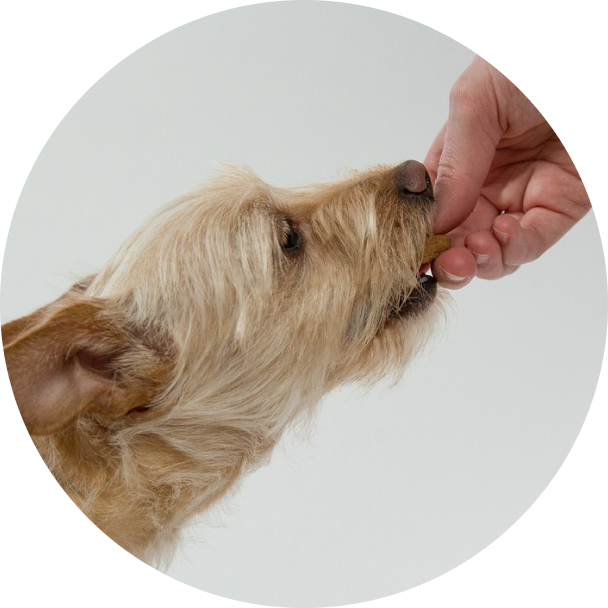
228 314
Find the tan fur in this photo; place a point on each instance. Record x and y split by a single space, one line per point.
150 388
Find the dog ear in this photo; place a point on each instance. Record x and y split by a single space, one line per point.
75 356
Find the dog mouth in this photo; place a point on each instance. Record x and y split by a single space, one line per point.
422 295
417 300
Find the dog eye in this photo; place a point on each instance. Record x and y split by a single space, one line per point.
291 239
140 408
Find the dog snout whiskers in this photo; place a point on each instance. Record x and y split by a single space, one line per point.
412 181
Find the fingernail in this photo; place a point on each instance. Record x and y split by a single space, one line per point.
503 237
452 277
481 258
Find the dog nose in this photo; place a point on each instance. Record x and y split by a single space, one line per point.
412 178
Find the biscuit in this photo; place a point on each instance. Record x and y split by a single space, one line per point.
435 245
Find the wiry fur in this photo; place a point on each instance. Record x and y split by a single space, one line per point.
203 339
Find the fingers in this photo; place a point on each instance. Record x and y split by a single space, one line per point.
511 240
489 254
481 257
455 268
518 245
464 150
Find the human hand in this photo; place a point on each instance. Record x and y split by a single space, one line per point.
506 188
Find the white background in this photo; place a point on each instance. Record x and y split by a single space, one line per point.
395 486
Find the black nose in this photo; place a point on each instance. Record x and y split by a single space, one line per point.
412 179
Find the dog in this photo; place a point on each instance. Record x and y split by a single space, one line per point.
150 388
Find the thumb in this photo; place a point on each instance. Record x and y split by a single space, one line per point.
470 138
462 171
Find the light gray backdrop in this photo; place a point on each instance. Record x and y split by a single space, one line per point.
397 485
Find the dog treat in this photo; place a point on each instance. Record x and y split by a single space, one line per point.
435 244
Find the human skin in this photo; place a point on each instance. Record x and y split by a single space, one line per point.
506 188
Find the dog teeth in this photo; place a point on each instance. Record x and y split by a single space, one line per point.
435 244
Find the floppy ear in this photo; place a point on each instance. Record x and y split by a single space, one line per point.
75 356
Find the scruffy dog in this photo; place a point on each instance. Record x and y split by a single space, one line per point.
150 388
